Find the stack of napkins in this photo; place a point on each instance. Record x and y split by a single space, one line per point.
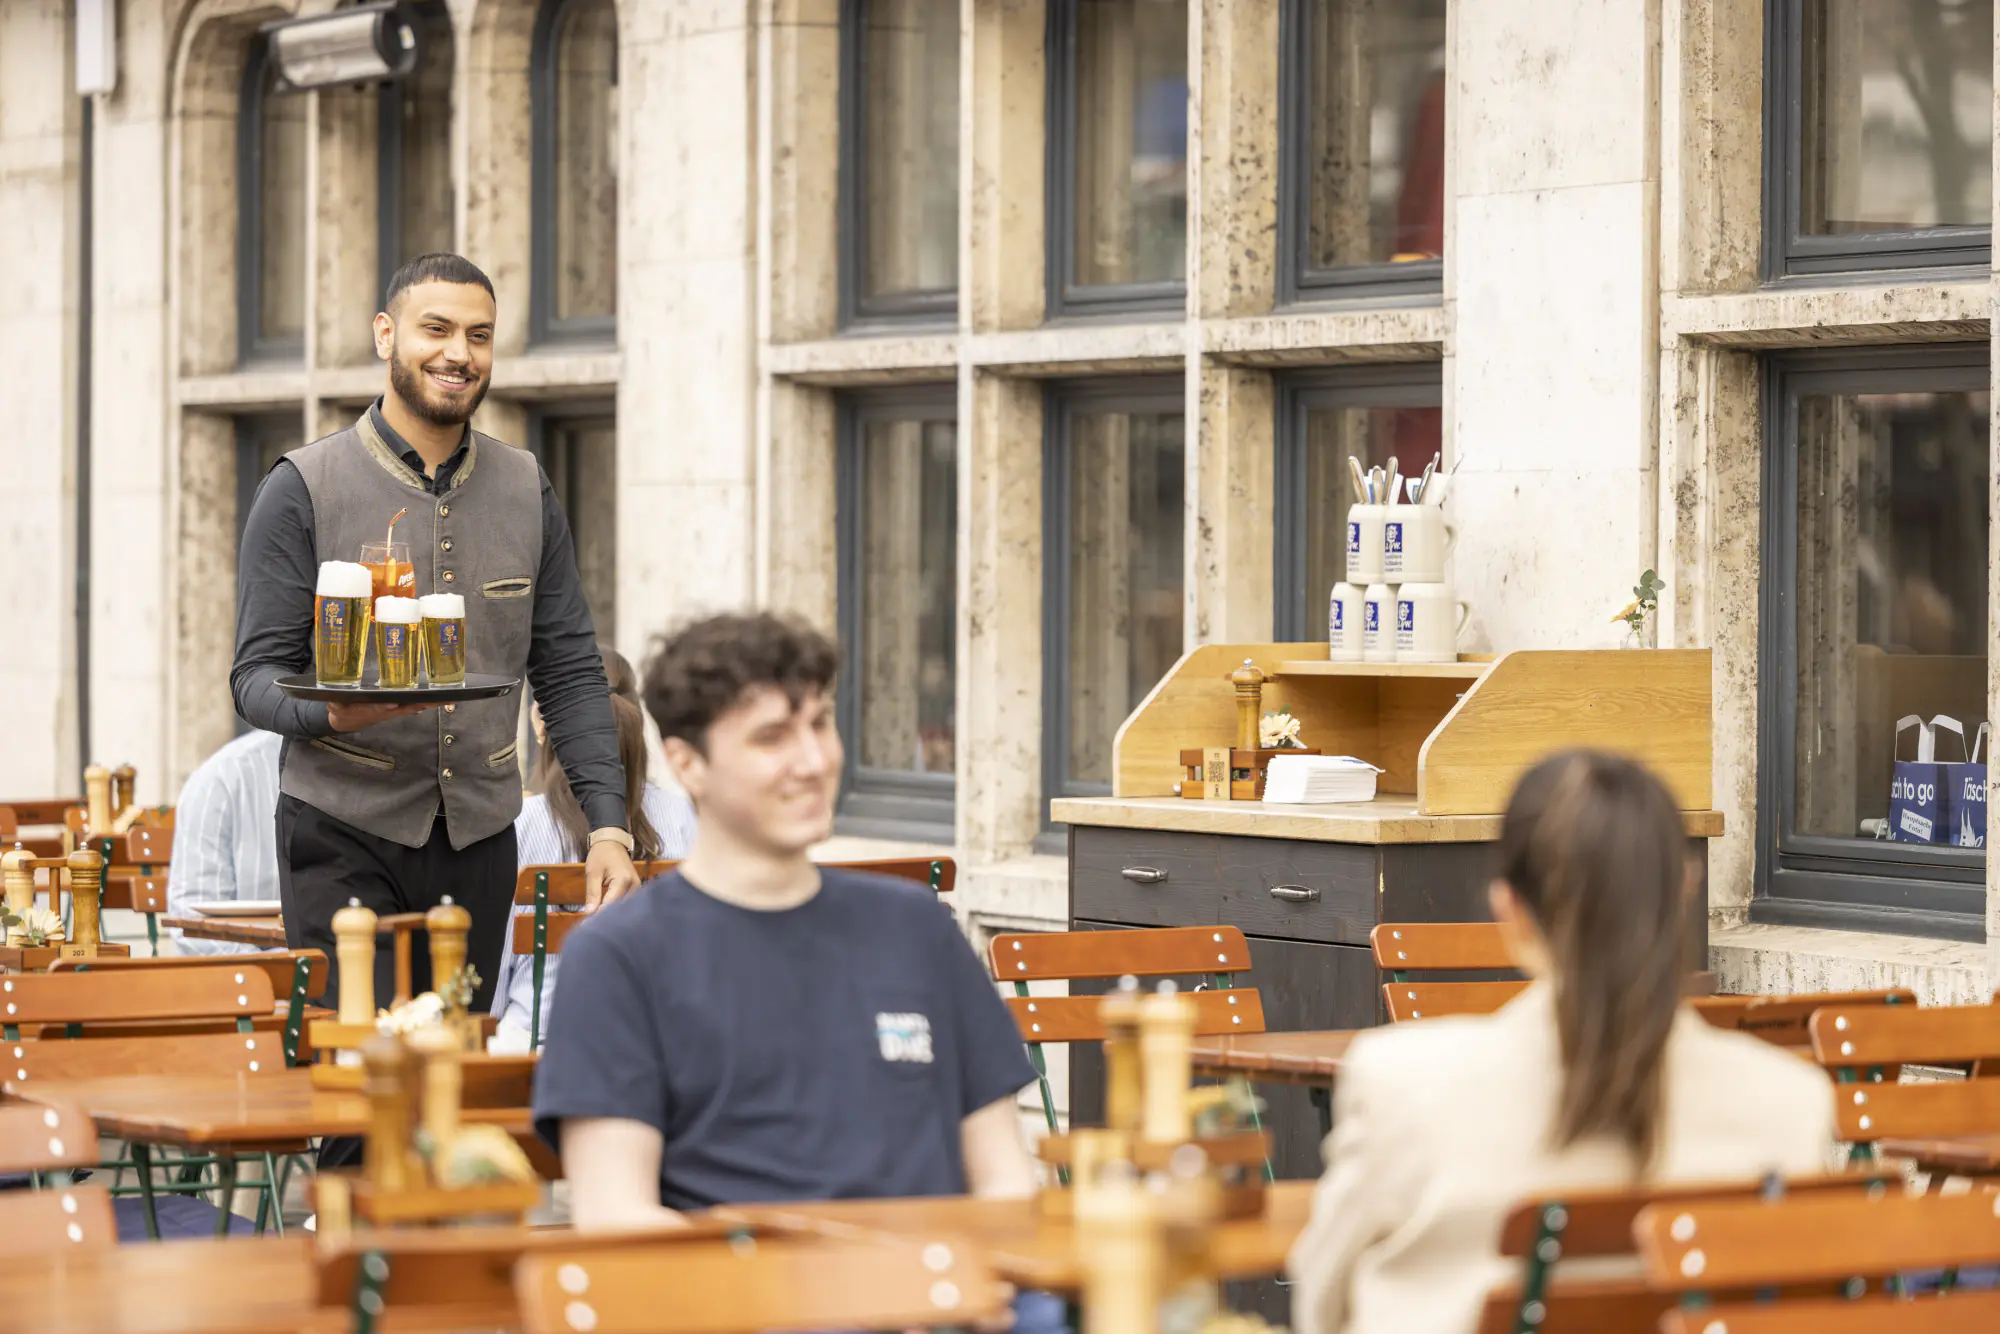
1308 779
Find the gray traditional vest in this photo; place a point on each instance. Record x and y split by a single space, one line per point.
481 539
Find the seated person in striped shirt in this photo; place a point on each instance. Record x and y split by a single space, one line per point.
225 834
551 828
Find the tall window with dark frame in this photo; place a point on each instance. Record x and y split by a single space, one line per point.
1117 159
577 443
1114 523
1373 414
271 215
898 159
1876 536
413 188
1361 149
897 509
1878 134
573 288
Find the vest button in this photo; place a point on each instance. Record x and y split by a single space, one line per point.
449 738
451 708
444 511
449 577
446 544
446 775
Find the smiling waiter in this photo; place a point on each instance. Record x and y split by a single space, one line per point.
398 806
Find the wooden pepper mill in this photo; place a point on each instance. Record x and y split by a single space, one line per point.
1166 1041
86 890
1121 1248
390 1086
124 789
354 942
1249 682
448 925
97 798
1123 1091
444 1084
17 874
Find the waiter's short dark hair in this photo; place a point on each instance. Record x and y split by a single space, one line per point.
702 670
440 267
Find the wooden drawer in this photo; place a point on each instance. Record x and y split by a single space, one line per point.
1141 877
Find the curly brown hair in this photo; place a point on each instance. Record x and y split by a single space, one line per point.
702 670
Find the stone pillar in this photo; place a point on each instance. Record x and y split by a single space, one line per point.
999 616
1233 159
347 236
802 45
686 314
799 568
1230 506
1711 145
1002 106
38 268
1555 434
204 614
497 132
1993 612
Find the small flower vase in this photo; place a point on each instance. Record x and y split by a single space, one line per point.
1643 635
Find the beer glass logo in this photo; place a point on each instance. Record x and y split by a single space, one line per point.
333 622
451 636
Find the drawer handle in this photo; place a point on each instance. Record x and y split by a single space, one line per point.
1143 875
1295 893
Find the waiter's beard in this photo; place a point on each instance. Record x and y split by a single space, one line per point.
409 385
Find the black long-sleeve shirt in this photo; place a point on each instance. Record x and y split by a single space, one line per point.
279 569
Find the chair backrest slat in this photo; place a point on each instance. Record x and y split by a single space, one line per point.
566 886
1439 946
1828 1236
141 845
42 1137
790 1283
1038 956
1076 1018
222 989
1862 1034
1958 1312
1781 1020
43 810
1434 1000
1592 1306
1599 1222
36 1061
276 965
1942 1109
48 1222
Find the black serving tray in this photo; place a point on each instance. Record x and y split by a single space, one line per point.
476 686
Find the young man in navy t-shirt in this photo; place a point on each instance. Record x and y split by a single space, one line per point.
752 1027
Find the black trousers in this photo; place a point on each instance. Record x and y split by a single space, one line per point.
324 862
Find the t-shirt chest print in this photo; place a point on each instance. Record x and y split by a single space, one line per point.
904 1037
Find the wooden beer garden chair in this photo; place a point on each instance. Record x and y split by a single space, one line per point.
48 1141
1402 948
744 1284
560 886
135 873
1784 1254
298 975
1593 1226
1213 954
1865 1048
122 1000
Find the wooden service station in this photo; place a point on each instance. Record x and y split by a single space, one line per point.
1454 735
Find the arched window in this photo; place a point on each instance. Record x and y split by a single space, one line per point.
271 215
414 189
575 242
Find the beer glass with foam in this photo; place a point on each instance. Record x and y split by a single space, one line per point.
397 636
444 638
340 622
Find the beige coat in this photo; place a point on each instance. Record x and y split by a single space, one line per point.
1443 1125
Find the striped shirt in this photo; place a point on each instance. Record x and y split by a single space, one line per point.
538 841
225 834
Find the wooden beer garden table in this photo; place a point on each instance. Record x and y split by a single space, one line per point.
169 1287
189 1111
266 933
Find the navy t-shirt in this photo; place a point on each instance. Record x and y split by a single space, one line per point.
826 1051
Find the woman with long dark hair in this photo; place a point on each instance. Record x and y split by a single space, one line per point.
1596 1076
551 828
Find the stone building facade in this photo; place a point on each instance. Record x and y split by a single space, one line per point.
1025 340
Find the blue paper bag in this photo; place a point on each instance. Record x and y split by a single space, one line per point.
1965 795
1916 792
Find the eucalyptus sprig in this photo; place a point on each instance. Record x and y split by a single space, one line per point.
1645 601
